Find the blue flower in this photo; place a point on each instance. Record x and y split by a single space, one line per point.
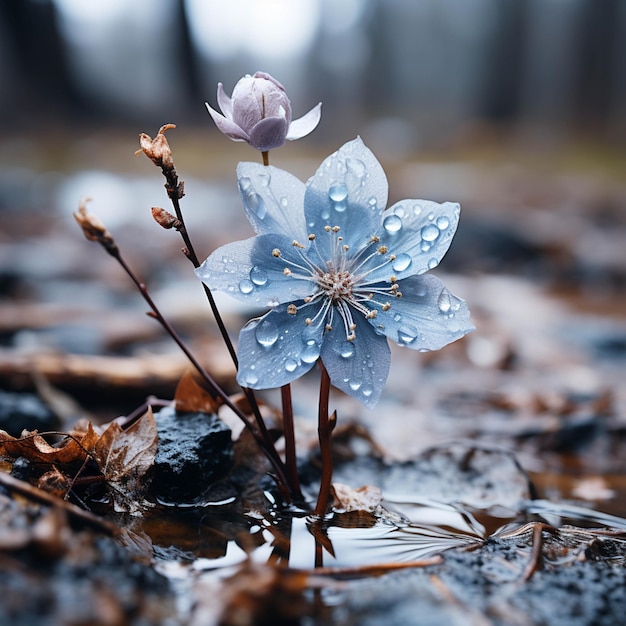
340 273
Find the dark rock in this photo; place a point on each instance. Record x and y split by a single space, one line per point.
19 411
195 451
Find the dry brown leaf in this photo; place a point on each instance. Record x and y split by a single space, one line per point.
190 397
36 449
124 457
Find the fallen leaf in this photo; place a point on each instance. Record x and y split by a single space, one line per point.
124 457
190 397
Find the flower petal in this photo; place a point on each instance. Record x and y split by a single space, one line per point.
269 133
418 233
360 367
226 126
426 317
224 101
306 124
249 271
349 190
277 348
273 199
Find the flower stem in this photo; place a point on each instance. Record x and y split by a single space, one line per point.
291 460
324 430
266 157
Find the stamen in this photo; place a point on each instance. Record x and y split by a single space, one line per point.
292 309
276 252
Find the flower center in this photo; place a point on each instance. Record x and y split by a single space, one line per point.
336 285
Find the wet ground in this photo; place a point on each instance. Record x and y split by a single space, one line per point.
500 460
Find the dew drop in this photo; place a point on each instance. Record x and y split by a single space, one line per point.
325 214
245 286
372 202
397 317
346 349
399 211
251 379
425 246
338 192
430 232
443 222
392 224
417 209
407 334
284 202
291 364
266 179
245 183
256 204
266 333
432 264
356 167
443 302
367 392
258 276
355 385
402 262
310 353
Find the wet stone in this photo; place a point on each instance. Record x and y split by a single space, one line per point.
19 411
194 452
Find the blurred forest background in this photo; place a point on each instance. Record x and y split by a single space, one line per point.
443 67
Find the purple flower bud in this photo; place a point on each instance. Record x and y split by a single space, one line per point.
259 113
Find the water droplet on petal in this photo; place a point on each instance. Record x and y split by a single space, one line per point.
367 392
397 317
345 349
245 183
251 379
256 204
402 262
417 209
258 276
399 211
430 232
266 333
310 353
284 202
245 286
407 334
443 222
265 179
443 302
357 167
372 202
355 385
291 364
392 224
432 264
338 192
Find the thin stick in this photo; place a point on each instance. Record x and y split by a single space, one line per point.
291 461
262 438
324 430
33 493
